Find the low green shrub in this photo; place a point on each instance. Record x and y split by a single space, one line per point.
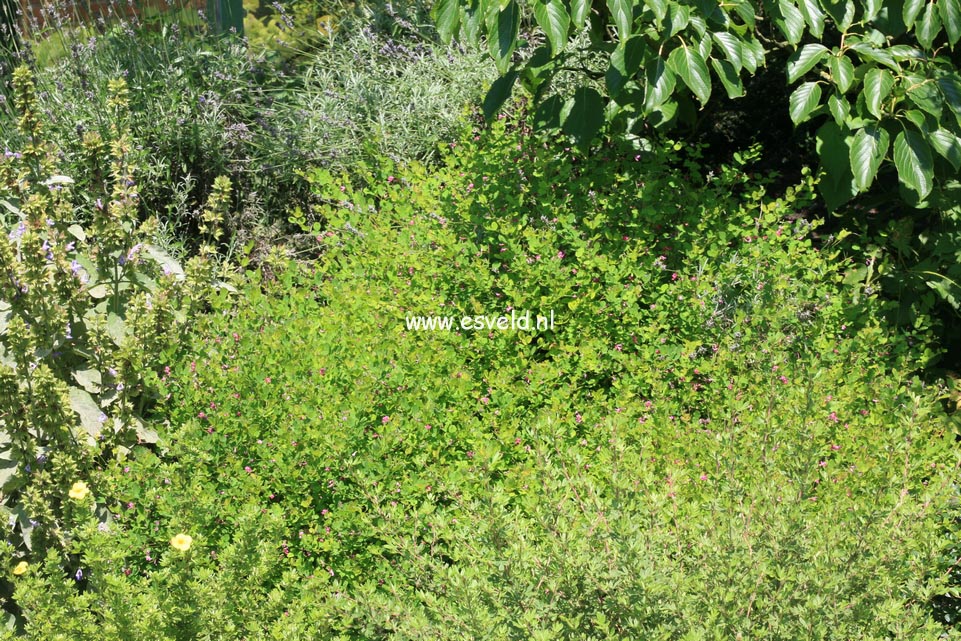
712 441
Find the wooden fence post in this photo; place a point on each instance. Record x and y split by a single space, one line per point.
226 16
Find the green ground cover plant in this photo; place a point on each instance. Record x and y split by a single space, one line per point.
713 441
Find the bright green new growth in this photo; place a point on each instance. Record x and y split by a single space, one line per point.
714 441
869 71
87 304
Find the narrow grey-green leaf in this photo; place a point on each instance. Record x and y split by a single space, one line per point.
950 11
912 157
813 16
868 149
580 9
803 101
910 12
791 23
585 117
552 17
928 26
731 46
659 83
804 59
729 78
91 416
690 66
622 12
948 145
877 85
839 108
842 71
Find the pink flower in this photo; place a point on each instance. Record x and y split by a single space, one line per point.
385 420
833 416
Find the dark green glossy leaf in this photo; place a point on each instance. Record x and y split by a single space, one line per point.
912 9
813 16
552 17
842 71
948 145
446 15
498 94
622 12
950 11
688 64
868 149
804 59
928 27
731 46
833 148
839 107
912 157
804 100
877 85
503 37
579 12
585 116
729 78
791 22
659 83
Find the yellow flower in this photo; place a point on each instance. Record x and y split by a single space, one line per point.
21 568
182 542
79 491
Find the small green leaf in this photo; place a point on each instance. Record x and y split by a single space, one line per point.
498 94
551 16
842 71
731 46
804 59
752 55
691 68
950 11
929 26
877 85
910 12
803 101
659 83
947 145
923 92
868 149
839 108
585 116
912 157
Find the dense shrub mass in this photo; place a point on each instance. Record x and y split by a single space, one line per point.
712 441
